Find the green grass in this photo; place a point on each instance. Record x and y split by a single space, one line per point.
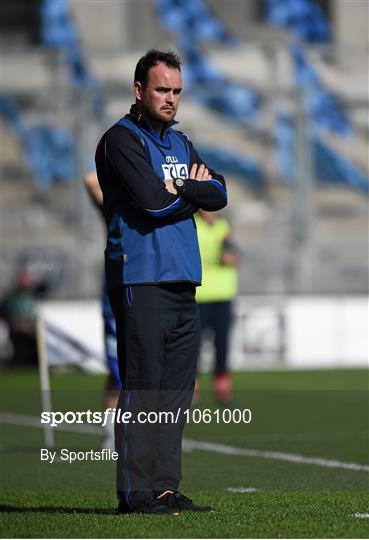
311 413
259 515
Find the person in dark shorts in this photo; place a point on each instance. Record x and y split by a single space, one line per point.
113 383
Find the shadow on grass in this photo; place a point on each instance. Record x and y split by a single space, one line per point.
8 508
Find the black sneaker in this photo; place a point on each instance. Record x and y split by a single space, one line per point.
156 507
164 504
185 504
123 508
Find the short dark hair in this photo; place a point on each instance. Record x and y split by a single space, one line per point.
151 59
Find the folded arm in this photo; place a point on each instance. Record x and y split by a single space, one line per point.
125 156
207 191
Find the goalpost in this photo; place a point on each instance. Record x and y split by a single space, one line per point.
68 333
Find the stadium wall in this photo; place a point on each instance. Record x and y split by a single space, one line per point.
269 332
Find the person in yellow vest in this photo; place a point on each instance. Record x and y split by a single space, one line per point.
219 259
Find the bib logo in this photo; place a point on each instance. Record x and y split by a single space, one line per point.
172 169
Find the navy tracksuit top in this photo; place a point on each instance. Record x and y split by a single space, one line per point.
152 235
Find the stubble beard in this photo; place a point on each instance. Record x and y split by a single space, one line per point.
159 117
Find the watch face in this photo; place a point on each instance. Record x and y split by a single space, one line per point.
179 182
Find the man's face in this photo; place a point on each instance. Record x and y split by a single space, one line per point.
160 97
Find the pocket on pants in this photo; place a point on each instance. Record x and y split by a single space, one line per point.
128 296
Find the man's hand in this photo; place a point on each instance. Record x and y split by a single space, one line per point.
169 187
229 258
199 173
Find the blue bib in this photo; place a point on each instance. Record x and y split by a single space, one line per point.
151 250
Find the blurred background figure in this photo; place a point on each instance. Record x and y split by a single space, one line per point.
17 309
113 383
219 258
37 274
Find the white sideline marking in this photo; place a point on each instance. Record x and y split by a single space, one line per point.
242 489
281 456
362 515
191 444
35 421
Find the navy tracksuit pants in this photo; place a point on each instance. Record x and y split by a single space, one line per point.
217 316
158 336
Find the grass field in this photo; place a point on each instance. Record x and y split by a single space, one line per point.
261 478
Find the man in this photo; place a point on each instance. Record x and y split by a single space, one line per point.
219 258
113 384
153 181
18 310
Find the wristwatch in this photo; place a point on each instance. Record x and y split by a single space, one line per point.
179 184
